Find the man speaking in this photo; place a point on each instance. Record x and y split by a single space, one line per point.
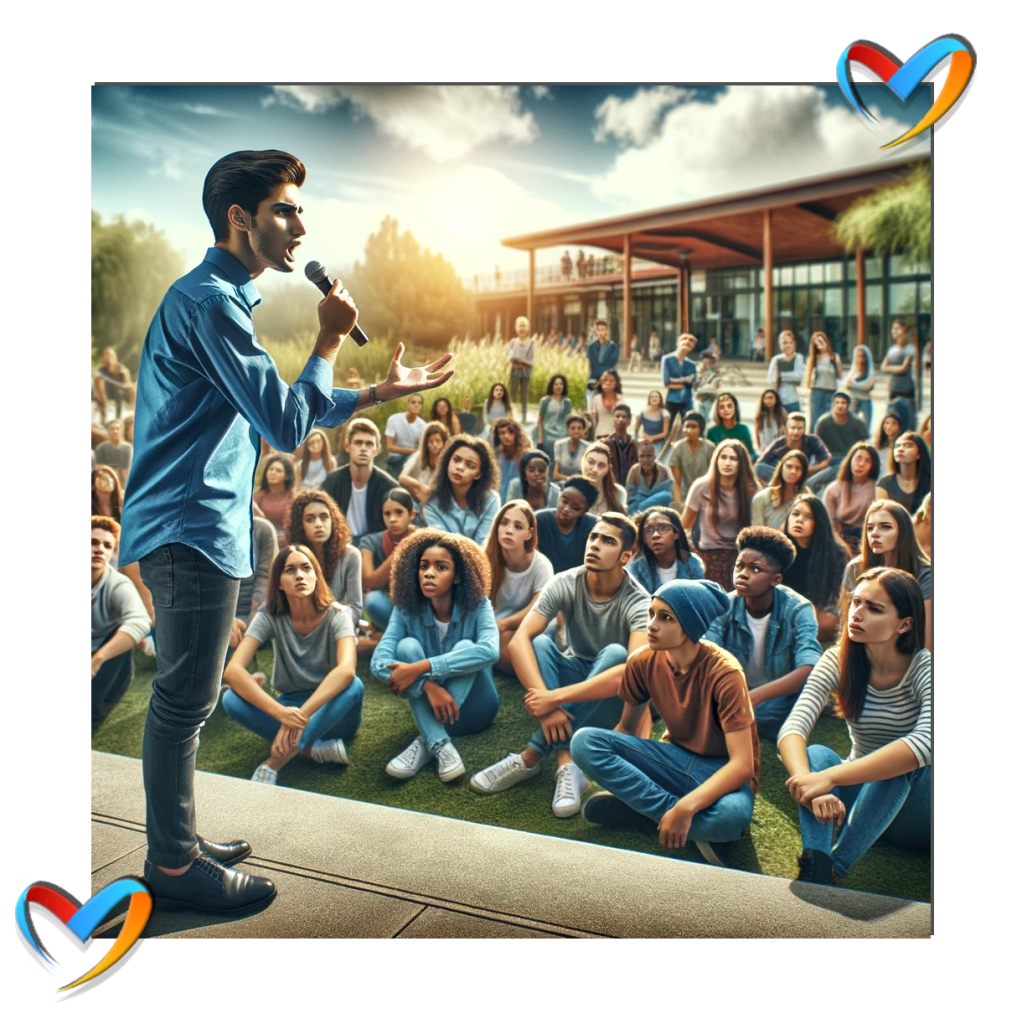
207 390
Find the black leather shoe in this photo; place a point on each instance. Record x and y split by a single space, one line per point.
208 887
604 808
224 853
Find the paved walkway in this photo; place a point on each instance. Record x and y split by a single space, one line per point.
355 870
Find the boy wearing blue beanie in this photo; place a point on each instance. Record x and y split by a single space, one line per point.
699 784
768 627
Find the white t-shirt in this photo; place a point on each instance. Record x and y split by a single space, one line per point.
315 475
356 513
405 434
442 628
517 588
668 574
754 674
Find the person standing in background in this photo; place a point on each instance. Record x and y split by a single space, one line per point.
823 368
859 384
522 353
602 353
786 371
900 363
678 373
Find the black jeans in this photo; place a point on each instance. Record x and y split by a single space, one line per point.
110 684
196 603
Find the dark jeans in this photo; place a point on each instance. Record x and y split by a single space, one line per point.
196 603
675 409
110 683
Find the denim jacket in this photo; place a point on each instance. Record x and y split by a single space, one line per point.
790 640
693 569
475 624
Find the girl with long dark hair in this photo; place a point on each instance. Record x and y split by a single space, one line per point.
911 476
770 506
889 541
518 571
722 502
443 412
533 482
554 410
377 551
603 401
317 521
727 423
439 648
277 492
596 469
662 552
107 493
771 419
320 703
463 498
854 490
497 405
820 559
881 673
892 426
417 474
315 459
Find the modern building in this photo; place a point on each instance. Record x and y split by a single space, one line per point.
722 268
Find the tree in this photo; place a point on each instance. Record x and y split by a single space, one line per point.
409 294
895 219
133 265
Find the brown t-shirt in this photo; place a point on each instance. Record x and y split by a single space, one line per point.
697 706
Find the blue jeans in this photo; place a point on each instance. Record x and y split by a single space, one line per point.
376 607
863 408
651 777
764 472
676 409
338 719
660 497
819 403
475 695
911 402
898 809
110 683
558 670
818 481
772 714
792 406
196 603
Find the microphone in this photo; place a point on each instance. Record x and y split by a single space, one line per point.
316 273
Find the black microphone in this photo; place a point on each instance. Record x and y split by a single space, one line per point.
316 273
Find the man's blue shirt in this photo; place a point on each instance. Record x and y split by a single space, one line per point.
207 391
601 359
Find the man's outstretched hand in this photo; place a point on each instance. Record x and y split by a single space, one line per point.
403 381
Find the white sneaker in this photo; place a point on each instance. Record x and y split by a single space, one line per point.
502 775
329 752
569 788
449 763
410 760
266 775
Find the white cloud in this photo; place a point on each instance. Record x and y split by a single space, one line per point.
541 92
446 122
205 111
745 137
635 119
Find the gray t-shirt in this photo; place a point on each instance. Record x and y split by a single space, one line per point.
592 625
116 456
252 591
517 588
571 465
347 582
924 579
116 606
692 466
300 663
900 383
839 437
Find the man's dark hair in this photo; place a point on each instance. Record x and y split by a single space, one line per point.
622 407
575 418
797 416
696 417
584 487
246 178
597 323
771 544
624 524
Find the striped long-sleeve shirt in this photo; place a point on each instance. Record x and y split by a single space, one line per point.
901 713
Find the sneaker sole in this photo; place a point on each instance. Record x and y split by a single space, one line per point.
402 773
567 812
162 903
451 776
709 855
477 788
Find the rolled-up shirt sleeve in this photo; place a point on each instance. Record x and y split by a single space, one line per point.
245 374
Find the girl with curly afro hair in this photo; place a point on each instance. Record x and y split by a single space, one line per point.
440 647
317 521
463 496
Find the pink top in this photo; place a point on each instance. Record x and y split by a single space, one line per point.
276 508
851 510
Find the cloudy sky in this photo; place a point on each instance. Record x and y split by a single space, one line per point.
464 166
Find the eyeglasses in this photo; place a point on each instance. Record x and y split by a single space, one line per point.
656 528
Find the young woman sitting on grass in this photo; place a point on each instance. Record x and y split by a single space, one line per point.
854 490
771 419
652 423
889 539
377 550
320 703
276 492
532 482
727 423
443 412
649 481
880 671
318 522
518 570
315 459
107 494
439 648
770 506
911 473
596 469
417 474
662 551
820 560
463 498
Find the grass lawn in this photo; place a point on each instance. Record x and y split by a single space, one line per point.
771 848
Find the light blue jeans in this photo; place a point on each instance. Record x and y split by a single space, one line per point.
651 777
659 497
772 714
558 670
898 809
339 718
863 408
475 695
377 607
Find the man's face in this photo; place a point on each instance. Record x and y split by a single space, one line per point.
522 328
276 228
601 332
647 456
690 428
115 432
603 549
415 404
362 447
839 407
795 430
621 419
753 574
103 547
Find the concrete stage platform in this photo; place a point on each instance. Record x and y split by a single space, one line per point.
346 869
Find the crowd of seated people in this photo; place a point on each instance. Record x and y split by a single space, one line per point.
725 584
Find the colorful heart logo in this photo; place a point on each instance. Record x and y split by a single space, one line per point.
84 920
903 78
